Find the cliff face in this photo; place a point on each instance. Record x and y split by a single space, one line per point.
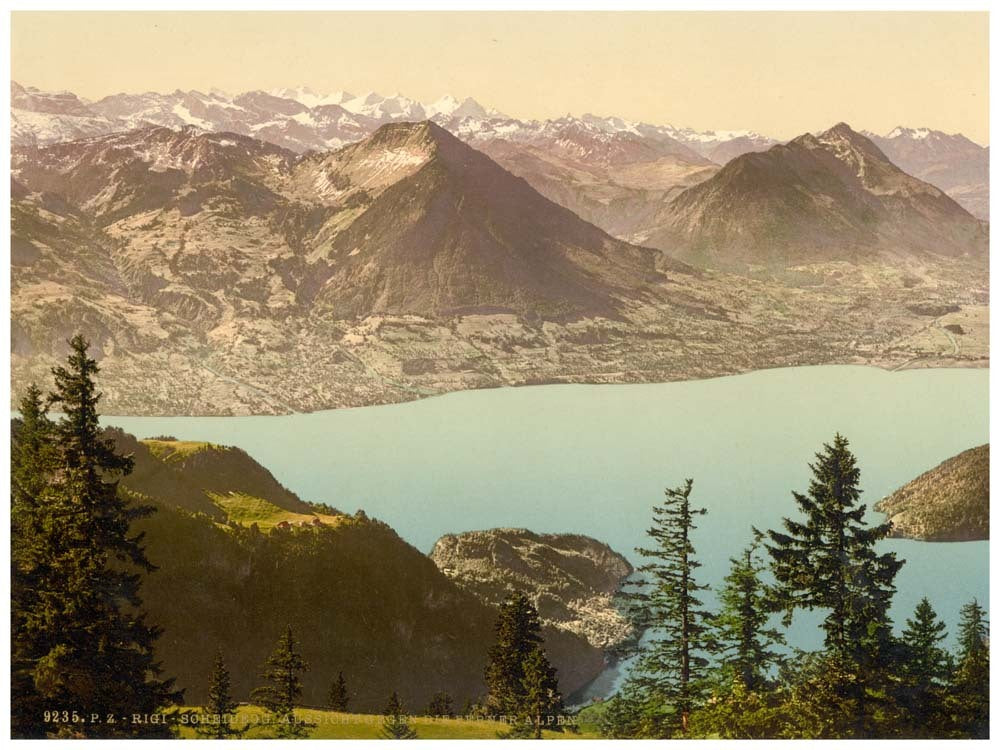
949 503
571 579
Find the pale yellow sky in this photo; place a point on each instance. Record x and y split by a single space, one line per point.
778 73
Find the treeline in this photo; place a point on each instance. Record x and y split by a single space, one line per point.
522 691
726 673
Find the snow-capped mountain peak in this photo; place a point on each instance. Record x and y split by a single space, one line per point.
338 97
443 106
297 94
385 108
307 97
608 124
917 134
715 136
449 106
367 99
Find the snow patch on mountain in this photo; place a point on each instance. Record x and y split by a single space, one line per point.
386 108
449 107
309 98
715 136
917 134
184 114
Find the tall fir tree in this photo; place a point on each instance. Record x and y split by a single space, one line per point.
30 471
542 701
970 688
217 719
90 647
924 669
973 640
829 561
338 698
283 687
395 722
744 697
518 633
740 635
670 670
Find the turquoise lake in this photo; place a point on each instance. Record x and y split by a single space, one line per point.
594 459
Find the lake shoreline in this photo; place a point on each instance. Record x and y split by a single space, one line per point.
911 365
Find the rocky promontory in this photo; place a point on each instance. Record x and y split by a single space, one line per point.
571 579
949 503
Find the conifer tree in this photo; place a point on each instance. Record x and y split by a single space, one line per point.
829 561
30 463
90 649
542 701
925 668
739 631
518 634
973 640
971 683
338 697
30 472
627 714
441 705
218 715
744 703
395 723
283 677
669 672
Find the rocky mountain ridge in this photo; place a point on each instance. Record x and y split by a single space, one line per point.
301 119
949 161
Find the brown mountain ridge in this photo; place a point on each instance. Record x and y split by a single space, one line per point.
832 196
455 231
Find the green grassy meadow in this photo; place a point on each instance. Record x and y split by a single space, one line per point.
177 450
247 510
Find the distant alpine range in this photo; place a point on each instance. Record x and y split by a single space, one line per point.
633 155
289 251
